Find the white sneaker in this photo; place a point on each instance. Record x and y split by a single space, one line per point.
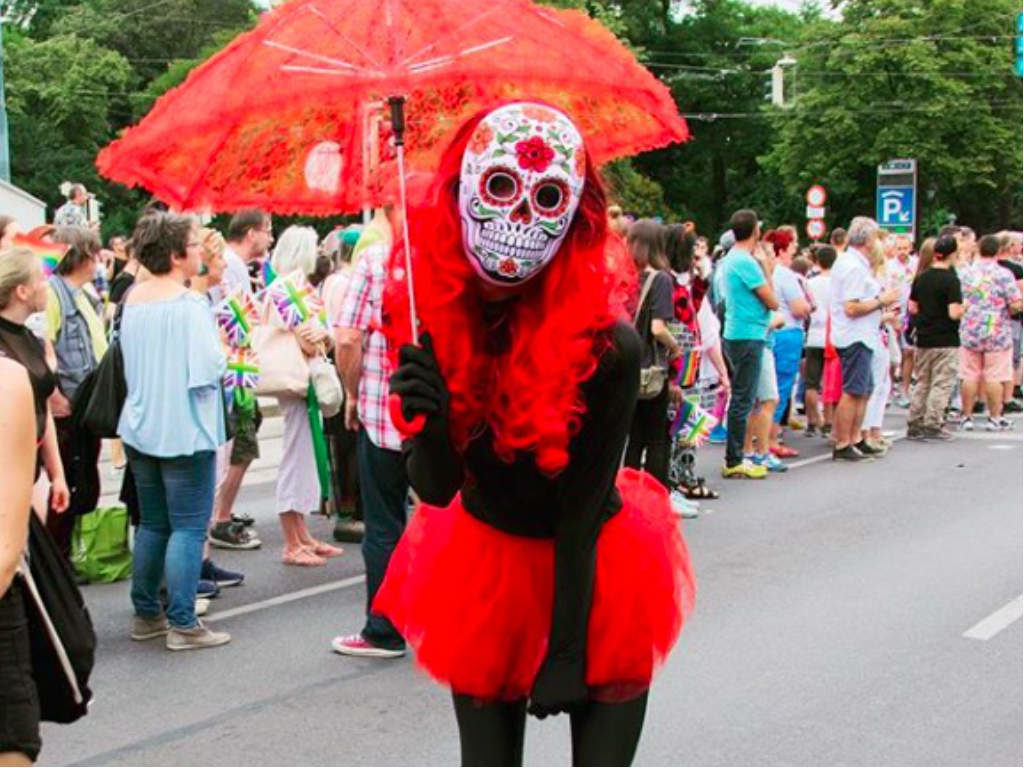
967 425
682 506
202 606
993 425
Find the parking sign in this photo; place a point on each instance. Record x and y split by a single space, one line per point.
896 196
894 207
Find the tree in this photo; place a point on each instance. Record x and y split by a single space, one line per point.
907 78
60 93
715 59
153 34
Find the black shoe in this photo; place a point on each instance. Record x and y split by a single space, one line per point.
937 433
1012 407
826 430
979 407
242 518
347 529
811 431
1018 393
867 450
849 453
222 577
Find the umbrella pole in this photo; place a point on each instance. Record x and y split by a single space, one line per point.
397 104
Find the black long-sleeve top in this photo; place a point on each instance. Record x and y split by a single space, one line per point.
570 507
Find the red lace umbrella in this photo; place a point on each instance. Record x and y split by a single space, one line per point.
283 118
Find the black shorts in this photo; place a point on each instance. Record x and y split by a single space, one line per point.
855 361
19 702
814 366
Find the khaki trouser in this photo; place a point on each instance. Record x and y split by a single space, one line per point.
935 371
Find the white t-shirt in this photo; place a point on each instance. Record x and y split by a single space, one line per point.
787 289
236 275
710 336
818 287
852 281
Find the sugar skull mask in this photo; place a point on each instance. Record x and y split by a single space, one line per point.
522 176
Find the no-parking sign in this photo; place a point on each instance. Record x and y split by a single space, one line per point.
815 229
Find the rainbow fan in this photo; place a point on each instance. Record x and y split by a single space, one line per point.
237 315
295 300
692 423
243 370
49 254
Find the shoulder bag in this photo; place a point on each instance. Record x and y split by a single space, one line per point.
100 398
61 635
653 377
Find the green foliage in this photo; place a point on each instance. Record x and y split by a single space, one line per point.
930 79
632 190
905 78
59 94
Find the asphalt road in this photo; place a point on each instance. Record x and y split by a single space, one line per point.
830 628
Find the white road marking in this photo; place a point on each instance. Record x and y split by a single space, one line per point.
1001 447
996 622
288 597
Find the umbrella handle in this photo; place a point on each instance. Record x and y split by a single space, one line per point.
410 428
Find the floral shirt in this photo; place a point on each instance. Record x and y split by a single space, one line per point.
70 215
988 290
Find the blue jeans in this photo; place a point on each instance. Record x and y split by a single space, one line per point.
789 346
745 358
383 489
176 500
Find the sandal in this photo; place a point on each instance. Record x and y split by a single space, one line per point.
302 556
322 549
699 491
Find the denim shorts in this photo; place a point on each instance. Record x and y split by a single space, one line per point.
856 365
767 381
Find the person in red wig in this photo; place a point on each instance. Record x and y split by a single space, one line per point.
535 575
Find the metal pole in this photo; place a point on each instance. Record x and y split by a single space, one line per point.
5 146
397 104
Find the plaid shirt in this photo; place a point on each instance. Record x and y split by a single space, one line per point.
361 309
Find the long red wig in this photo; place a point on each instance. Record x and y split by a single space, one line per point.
529 394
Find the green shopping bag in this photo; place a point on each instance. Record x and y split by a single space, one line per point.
99 545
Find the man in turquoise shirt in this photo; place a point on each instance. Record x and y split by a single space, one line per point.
749 299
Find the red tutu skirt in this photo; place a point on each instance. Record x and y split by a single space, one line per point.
475 603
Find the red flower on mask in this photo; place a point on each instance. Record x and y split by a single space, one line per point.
508 267
534 154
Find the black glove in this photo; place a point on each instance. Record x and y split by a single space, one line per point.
559 687
420 385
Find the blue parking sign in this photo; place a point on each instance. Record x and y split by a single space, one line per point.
894 208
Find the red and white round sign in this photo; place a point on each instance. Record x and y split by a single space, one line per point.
816 229
816 196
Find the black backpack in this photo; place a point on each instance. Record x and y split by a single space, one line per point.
61 666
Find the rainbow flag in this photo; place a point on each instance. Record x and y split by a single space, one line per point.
243 370
295 300
692 423
237 315
689 368
49 254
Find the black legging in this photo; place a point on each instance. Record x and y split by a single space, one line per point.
650 431
492 733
